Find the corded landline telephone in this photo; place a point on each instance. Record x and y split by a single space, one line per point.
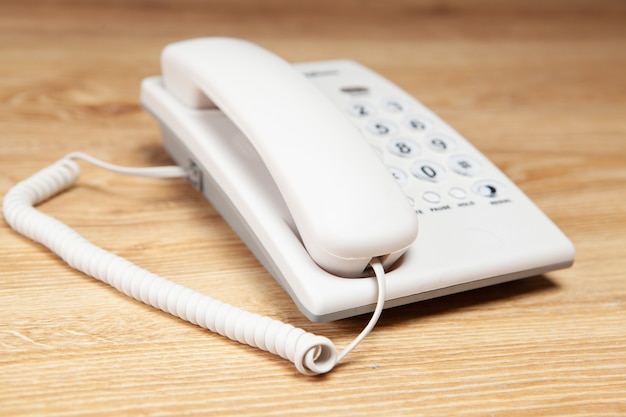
324 169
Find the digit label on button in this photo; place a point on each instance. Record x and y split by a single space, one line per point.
405 148
381 128
359 109
441 143
417 123
428 171
465 165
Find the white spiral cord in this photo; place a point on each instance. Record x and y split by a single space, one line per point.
311 354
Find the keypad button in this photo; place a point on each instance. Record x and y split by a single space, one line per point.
405 148
398 174
381 128
417 123
440 143
489 189
465 165
431 197
428 171
457 193
361 109
395 105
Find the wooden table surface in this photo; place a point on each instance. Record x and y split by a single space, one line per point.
539 87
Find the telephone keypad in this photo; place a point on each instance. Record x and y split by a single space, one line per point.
427 158
395 105
359 109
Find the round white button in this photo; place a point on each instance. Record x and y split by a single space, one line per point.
457 193
431 197
360 109
465 165
405 148
381 128
428 170
417 123
441 143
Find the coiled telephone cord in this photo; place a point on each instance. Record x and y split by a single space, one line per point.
311 354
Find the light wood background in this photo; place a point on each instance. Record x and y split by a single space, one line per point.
538 86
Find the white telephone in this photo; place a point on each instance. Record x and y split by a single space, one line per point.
324 170
312 191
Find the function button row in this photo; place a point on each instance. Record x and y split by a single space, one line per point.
488 189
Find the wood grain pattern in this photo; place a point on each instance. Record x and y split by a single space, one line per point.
539 87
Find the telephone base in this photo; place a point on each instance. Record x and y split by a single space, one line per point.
476 227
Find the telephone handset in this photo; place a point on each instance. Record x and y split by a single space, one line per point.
346 208
322 166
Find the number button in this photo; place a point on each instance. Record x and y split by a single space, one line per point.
398 174
381 128
440 143
428 171
431 197
465 165
405 148
359 109
394 105
417 123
